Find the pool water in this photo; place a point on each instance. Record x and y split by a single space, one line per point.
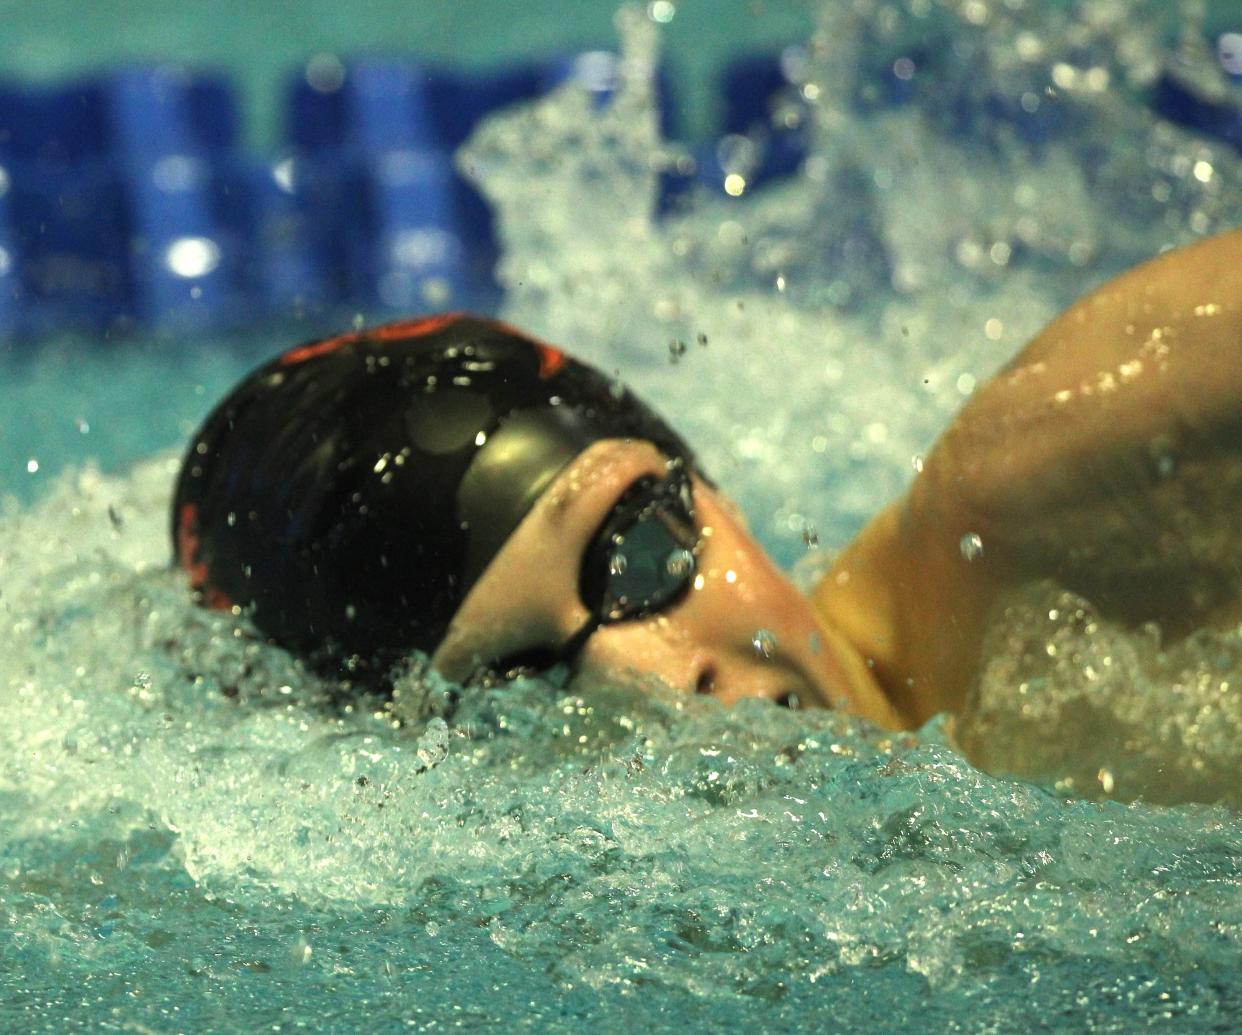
193 839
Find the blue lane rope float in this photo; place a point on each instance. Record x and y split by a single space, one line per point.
128 205
1178 100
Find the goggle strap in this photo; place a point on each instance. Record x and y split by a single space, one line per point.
572 648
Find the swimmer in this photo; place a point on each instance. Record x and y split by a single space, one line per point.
452 486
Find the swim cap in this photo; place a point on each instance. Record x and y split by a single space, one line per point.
350 492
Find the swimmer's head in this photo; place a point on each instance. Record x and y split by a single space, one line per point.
451 486
350 493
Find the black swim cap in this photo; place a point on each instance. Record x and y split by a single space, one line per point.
349 493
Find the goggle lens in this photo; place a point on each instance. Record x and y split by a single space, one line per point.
642 559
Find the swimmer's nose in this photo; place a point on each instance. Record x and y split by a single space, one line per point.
705 681
772 680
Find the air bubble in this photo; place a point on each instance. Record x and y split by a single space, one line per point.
617 564
971 546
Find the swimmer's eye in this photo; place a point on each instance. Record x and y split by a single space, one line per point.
642 559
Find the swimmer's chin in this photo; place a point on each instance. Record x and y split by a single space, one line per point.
844 681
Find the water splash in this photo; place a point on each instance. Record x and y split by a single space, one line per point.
182 800
1162 722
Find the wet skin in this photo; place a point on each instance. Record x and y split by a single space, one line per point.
704 643
1105 457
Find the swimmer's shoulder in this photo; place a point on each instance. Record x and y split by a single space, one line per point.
1053 470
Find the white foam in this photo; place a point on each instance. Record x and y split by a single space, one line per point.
124 705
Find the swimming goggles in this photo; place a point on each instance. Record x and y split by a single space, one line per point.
641 561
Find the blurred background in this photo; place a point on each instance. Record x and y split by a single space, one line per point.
179 170
188 184
261 44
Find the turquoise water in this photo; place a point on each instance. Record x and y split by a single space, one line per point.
191 839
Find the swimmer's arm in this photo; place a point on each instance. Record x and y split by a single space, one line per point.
1106 456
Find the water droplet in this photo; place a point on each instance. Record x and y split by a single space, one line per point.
702 339
916 462
764 643
810 537
616 564
680 562
676 349
971 546
661 11
433 745
325 73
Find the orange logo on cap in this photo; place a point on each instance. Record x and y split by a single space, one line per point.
551 360
187 553
385 332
